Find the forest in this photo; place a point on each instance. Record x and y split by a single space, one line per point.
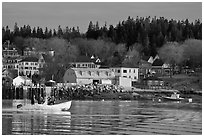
123 44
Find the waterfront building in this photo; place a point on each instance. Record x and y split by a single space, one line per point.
88 76
144 69
160 68
126 72
130 75
28 66
153 82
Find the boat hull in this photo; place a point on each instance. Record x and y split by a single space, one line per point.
56 107
172 99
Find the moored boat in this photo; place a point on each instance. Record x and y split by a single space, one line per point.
174 97
56 107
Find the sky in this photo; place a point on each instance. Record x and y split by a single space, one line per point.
53 14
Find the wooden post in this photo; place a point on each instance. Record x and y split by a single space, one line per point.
14 93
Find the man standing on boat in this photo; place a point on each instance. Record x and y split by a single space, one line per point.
51 100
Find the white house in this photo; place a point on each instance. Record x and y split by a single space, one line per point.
88 76
22 80
132 73
125 74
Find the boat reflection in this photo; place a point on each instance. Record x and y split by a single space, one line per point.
39 122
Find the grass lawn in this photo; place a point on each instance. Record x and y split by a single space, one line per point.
185 82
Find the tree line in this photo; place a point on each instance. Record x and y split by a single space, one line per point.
36 32
151 33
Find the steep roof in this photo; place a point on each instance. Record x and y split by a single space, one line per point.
29 59
146 58
158 62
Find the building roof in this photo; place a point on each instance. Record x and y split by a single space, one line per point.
144 64
123 66
83 59
146 58
13 58
94 73
158 62
13 73
153 78
29 59
24 77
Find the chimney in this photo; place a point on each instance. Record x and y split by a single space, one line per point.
51 52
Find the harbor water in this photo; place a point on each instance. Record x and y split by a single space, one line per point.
105 118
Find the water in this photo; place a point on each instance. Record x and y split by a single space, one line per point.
106 118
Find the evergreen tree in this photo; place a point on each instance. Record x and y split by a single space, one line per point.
59 32
16 30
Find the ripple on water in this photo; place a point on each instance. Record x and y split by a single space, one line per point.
106 118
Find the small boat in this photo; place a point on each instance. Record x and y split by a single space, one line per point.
174 97
56 107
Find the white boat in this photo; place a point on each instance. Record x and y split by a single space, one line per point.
56 107
174 97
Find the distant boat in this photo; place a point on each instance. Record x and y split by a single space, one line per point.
174 97
65 106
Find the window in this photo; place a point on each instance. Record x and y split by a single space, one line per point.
89 73
125 76
118 71
129 70
36 63
135 77
124 71
80 72
26 67
129 76
134 70
26 63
